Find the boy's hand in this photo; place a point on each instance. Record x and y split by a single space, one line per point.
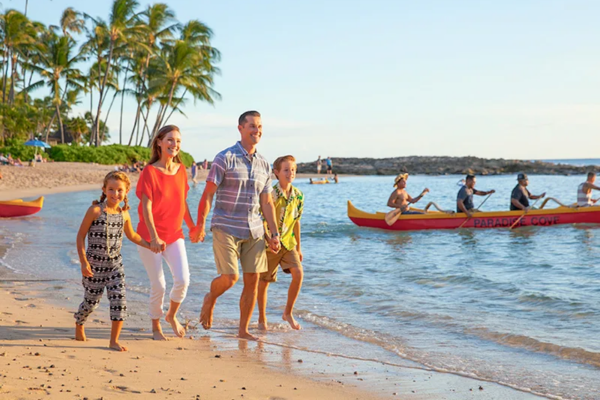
300 255
86 270
275 244
197 234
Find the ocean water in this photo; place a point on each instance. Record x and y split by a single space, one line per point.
580 162
520 308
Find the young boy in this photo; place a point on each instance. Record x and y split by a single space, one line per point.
289 204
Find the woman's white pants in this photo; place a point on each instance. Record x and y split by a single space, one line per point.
176 259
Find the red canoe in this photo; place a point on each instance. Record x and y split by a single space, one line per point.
480 220
20 208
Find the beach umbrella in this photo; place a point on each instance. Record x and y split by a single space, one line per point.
37 143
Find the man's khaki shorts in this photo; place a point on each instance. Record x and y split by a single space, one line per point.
228 250
286 258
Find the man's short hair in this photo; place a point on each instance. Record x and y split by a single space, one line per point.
242 118
470 177
591 174
280 160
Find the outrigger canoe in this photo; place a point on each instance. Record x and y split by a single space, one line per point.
480 220
20 208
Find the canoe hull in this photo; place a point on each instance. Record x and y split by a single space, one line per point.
20 208
483 220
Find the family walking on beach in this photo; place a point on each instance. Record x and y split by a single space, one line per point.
239 184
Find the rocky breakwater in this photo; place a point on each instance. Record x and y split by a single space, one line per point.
444 166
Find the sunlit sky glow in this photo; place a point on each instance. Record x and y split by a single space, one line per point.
382 78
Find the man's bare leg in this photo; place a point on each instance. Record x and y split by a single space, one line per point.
219 285
115 332
157 333
171 318
263 286
247 303
80 333
293 292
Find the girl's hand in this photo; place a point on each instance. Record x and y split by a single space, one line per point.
86 270
157 245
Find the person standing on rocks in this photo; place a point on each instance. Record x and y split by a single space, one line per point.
319 165
329 165
241 180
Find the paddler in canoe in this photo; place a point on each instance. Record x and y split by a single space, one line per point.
464 199
519 199
584 191
400 200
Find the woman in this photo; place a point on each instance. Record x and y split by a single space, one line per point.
162 190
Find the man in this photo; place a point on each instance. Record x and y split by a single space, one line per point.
400 199
241 180
519 199
319 165
464 199
584 191
329 165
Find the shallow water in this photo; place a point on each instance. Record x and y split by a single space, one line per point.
516 307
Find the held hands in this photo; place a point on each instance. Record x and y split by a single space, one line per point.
157 245
86 270
197 234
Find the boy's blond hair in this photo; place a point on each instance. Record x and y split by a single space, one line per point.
280 160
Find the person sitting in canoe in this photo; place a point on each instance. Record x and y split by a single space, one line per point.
464 199
519 199
400 199
584 191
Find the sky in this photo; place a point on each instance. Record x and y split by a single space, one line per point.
386 78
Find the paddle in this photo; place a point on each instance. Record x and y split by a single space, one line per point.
481 205
525 213
392 216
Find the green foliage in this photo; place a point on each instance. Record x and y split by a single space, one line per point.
107 155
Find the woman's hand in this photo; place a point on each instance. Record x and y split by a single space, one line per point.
157 245
86 270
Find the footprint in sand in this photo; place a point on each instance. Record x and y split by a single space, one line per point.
7 313
18 321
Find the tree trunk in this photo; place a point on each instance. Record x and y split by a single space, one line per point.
102 87
175 107
122 100
50 125
6 69
137 119
107 114
60 124
11 94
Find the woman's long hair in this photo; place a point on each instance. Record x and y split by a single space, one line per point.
156 151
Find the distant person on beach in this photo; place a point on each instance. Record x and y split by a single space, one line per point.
329 165
400 199
102 263
584 191
289 204
464 199
240 178
205 164
162 190
520 196
319 163
194 172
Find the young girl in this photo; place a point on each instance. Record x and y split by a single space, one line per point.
102 264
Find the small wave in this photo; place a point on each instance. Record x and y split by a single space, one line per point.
539 298
525 342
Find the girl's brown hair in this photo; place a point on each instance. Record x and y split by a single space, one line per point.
117 176
156 152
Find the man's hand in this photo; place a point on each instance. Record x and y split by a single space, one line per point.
491 191
275 244
543 195
469 213
425 191
527 209
86 270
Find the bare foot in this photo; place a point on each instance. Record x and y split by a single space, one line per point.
263 326
80 333
116 346
290 320
247 336
158 335
177 328
206 315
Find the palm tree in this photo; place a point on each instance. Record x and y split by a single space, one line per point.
123 24
185 64
71 21
78 127
58 64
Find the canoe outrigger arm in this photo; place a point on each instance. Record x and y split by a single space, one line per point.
557 202
431 203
